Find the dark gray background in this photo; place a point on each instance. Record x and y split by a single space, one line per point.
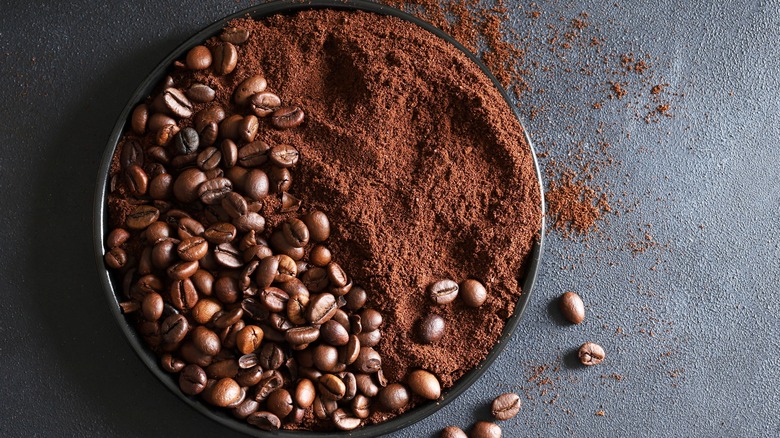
698 353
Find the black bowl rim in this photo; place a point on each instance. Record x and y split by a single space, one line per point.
100 225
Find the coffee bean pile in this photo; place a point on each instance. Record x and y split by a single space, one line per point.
262 322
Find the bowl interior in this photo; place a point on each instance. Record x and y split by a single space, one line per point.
112 284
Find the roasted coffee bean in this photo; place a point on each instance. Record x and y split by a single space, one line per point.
182 161
248 361
161 186
318 225
352 350
247 128
249 339
280 402
267 271
302 335
165 135
182 270
296 309
201 93
368 360
192 380
431 329
136 180
295 288
234 35
270 381
205 309
188 227
235 205
250 222
286 270
141 217
284 156
229 152
271 356
198 58
257 253
229 319
344 421
171 364
305 393
248 88
220 232
287 117
174 328
361 406
264 104
161 156
176 103
591 354
222 368
192 355
250 376
424 384
506 406
356 298
326 359
443 291
150 331
225 58
152 306
212 191
209 115
157 231
116 258
371 319
274 299
394 397
245 408
315 279
254 309
334 333
331 387
453 432
183 294
321 308
350 383
256 184
209 158
224 393
228 128
205 340
139 118
228 255
369 339
366 385
117 237
158 121
280 179
484 429
164 253
572 308
473 293
264 420
253 154
289 203
185 188
280 245
132 154
227 289
192 248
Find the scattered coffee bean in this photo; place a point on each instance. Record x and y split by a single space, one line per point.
284 156
484 429
431 329
424 384
453 432
572 307
591 354
344 420
506 406
116 258
473 293
287 117
443 291
176 103
280 402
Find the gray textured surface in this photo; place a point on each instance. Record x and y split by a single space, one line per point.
698 353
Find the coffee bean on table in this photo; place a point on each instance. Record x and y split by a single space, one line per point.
452 432
506 406
431 329
473 293
424 384
287 117
572 308
225 58
394 397
443 291
484 429
192 380
591 354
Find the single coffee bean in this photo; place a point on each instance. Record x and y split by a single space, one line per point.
228 255
132 154
198 58
142 217
351 351
286 270
206 116
158 121
270 381
139 119
356 298
227 289
350 383
284 155
185 188
212 191
318 225
205 340
302 335
205 309
171 364
484 429
394 397
369 339
224 393
234 35
203 281
174 328
572 307
248 88
371 319
161 186
271 356
248 361
331 387
326 359
296 233
591 354
280 245
192 248
264 104
296 309
247 128
152 306
366 385
246 408
249 339
280 402
443 291
225 58
235 205
274 299
506 406
201 93
117 237
176 103
289 203
432 329
322 307
280 179
220 232
228 128
253 154
229 319
287 117
222 368
334 333
264 420
305 393
256 184
182 270
229 153
424 384
320 255
192 380
361 406
453 432
250 222
116 258
345 421
473 293
192 355
209 158
368 360
183 293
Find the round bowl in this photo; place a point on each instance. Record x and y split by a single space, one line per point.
112 284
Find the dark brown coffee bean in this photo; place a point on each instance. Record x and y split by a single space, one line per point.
351 385
165 135
228 255
371 319
296 309
366 385
318 225
302 335
287 117
222 368
361 406
192 248
224 393
267 271
289 203
205 340
192 355
284 156
228 128
116 258
192 380
152 306
139 119
198 58
305 393
453 432
225 58
270 381
161 186
171 364
331 387
176 103
185 188
249 339
344 421
164 253
250 222
248 361
158 121
247 128
572 308
174 328
117 237
280 402
253 154
234 35
280 179
141 217
591 354
220 232
369 339
271 356
356 298
256 184
352 350
212 191
246 408
368 360
315 279
431 329
229 152
394 397
424 384
334 333
264 104
506 406
183 294
182 270
201 93
210 115
227 289
248 88
274 299
443 291
136 180
484 429
473 293
264 420
326 359
229 319
205 309
235 205
157 231
321 308
209 158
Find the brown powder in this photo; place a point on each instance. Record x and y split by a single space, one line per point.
573 205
